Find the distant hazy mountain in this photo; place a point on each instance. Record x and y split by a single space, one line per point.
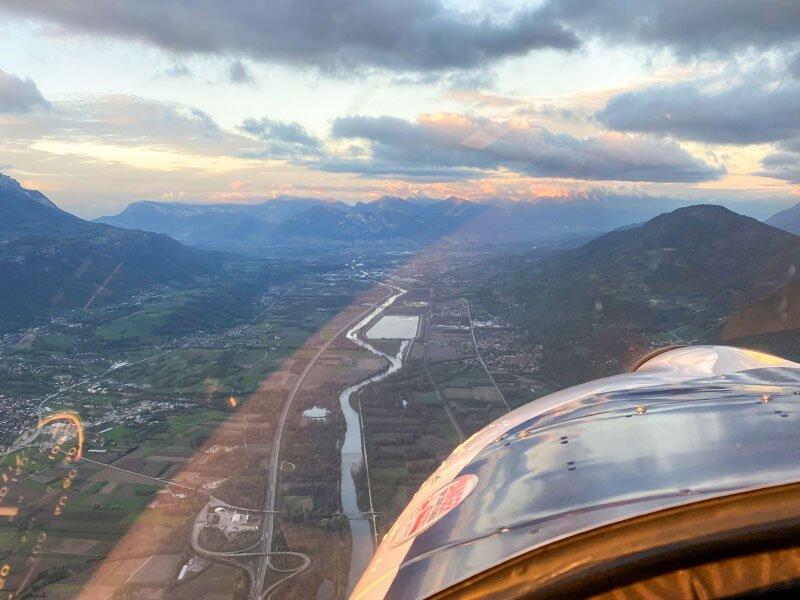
388 218
679 276
212 225
51 260
416 219
788 220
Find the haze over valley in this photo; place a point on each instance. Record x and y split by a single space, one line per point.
264 339
265 265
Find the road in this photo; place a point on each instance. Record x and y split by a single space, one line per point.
28 437
92 378
246 553
442 399
257 589
480 358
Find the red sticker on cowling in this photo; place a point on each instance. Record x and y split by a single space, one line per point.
436 506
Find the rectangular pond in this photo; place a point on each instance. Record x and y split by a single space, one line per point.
394 327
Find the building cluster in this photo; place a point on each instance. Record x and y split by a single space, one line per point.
504 349
17 416
231 521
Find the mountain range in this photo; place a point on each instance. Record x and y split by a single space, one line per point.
684 276
211 225
51 260
695 273
788 220
250 227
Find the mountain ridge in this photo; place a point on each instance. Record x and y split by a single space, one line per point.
51 261
389 218
788 219
26 212
675 278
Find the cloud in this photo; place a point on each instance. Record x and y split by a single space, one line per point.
750 111
451 146
282 139
125 122
784 163
341 36
178 71
689 27
794 66
471 79
19 95
239 73
134 121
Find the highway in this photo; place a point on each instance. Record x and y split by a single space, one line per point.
257 589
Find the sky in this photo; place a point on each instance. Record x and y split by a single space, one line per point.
105 103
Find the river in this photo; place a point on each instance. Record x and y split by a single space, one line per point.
353 447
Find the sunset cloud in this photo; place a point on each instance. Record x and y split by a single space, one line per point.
354 98
457 146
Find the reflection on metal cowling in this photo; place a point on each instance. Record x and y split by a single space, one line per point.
76 452
574 461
